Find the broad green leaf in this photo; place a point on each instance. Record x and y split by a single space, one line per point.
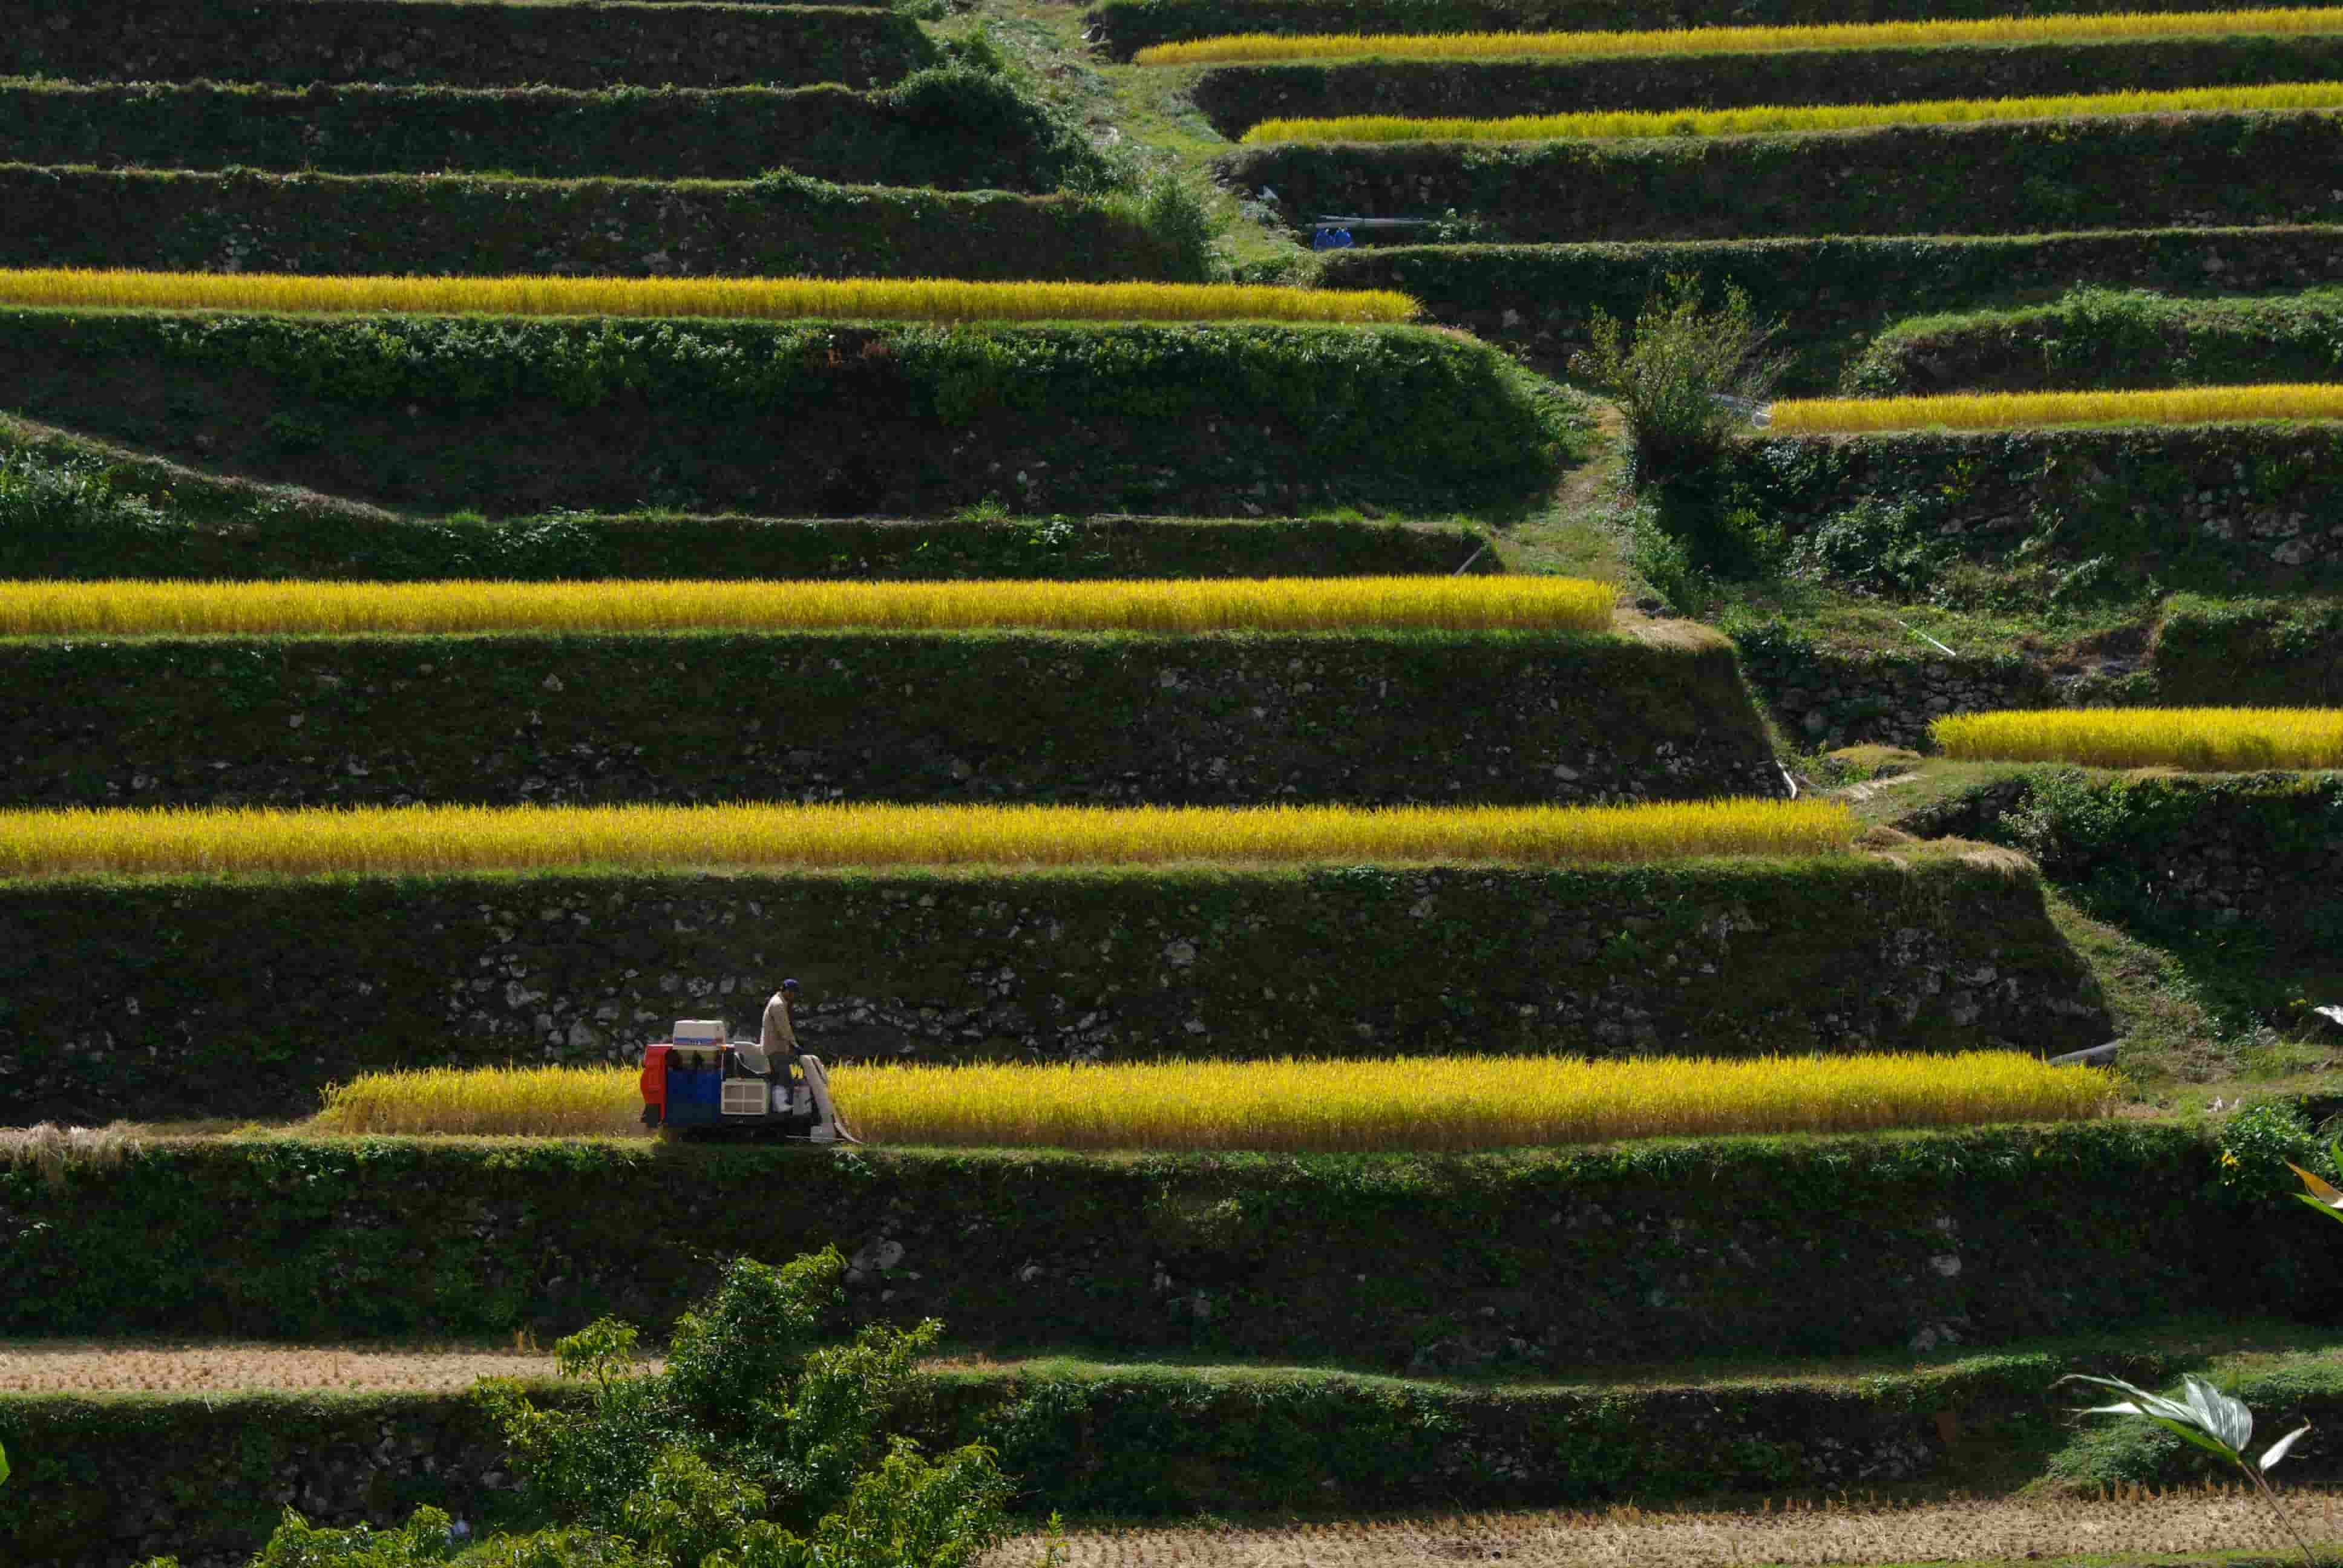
2277 1450
2331 1212
2188 1433
2189 1422
3 1463
2223 1418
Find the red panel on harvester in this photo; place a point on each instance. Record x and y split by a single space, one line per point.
654 1078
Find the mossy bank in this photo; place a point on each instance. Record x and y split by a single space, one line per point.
806 418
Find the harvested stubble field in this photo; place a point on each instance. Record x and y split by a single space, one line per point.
1507 603
1436 1103
443 839
1788 117
104 1367
2016 410
2199 739
2178 1521
723 298
1252 47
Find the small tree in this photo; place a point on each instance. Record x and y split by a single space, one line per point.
1685 379
763 1444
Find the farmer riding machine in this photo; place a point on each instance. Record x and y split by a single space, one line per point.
701 1084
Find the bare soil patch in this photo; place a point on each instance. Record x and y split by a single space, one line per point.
2175 1521
98 1366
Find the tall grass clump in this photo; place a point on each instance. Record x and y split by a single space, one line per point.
1784 117
2201 739
1250 47
228 842
730 299
1435 1103
1499 603
2012 410
1684 377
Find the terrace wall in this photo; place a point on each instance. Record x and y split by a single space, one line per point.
93 512
1236 98
108 1482
1828 294
1822 698
2253 851
2273 653
949 130
511 720
529 415
197 997
2133 171
463 226
2093 343
1545 1261
2258 498
582 43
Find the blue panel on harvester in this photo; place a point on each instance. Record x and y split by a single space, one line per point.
692 1094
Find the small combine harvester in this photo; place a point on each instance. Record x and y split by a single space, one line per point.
701 1084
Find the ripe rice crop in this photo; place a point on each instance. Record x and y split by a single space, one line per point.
2010 410
1247 47
226 842
734 298
2201 739
1500 603
1452 1103
1793 117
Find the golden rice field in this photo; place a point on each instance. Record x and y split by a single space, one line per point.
2010 410
1358 1107
1246 48
1795 117
258 842
737 298
2199 739
1496 603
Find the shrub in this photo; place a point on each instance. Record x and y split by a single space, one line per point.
758 1447
1684 377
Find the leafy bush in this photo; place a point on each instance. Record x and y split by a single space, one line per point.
759 1446
2260 1143
1879 545
45 496
1683 375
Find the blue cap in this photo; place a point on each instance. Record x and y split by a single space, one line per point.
789 985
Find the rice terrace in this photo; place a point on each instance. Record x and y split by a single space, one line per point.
982 783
